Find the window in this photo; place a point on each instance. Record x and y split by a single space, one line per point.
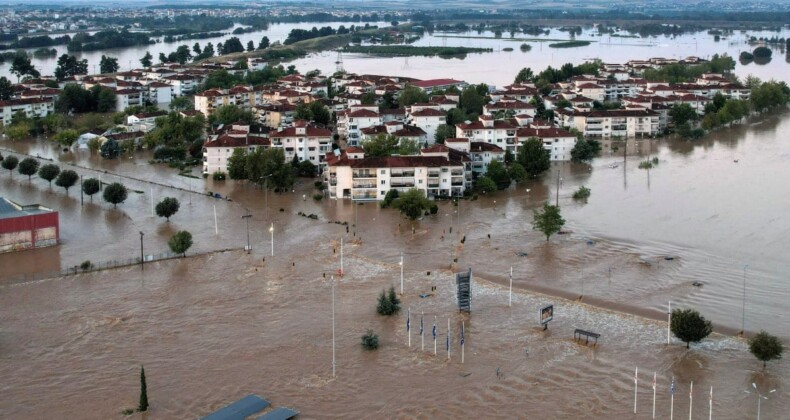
383 182
383 171
420 182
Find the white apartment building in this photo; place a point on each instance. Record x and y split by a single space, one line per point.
487 130
481 154
31 107
624 123
558 142
435 172
354 119
217 151
303 141
427 119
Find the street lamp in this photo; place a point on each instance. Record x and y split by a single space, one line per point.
142 258
760 397
267 193
247 218
271 230
401 272
743 306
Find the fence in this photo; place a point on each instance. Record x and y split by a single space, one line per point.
89 267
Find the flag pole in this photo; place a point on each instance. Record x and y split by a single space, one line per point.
691 400
448 338
408 326
434 335
636 382
216 229
333 327
510 297
669 320
422 337
710 412
672 401
654 394
341 256
462 342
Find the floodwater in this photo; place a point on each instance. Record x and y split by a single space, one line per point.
129 58
262 324
500 67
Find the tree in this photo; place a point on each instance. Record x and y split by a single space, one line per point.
110 149
6 89
412 203
49 172
143 404
455 116
548 220
69 66
108 64
766 347
472 101
444 132
509 158
115 194
682 113
264 43
250 46
228 114
533 157
497 172
181 103
146 60
91 186
381 145
269 165
18 131
485 185
585 150
306 169
762 52
105 100
525 75
10 163
689 326
237 164
388 303
196 49
167 207
389 198
411 95
517 172
66 137
232 45
29 167
21 66
180 242
67 179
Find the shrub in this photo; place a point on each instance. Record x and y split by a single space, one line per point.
318 197
86 265
370 341
319 185
218 176
582 193
434 208
391 196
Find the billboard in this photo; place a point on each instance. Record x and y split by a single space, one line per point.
546 314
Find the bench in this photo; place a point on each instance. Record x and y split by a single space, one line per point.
579 333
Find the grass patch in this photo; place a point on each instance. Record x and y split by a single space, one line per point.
570 44
504 39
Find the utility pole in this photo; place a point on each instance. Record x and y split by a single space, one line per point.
247 217
142 258
557 199
82 193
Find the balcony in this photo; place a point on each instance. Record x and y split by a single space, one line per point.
366 195
457 172
400 174
363 174
433 174
433 185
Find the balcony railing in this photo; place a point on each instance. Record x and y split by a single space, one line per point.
398 184
433 174
356 175
456 172
396 174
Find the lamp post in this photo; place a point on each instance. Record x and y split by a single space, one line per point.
760 397
743 305
267 193
271 230
247 218
333 327
142 258
401 272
